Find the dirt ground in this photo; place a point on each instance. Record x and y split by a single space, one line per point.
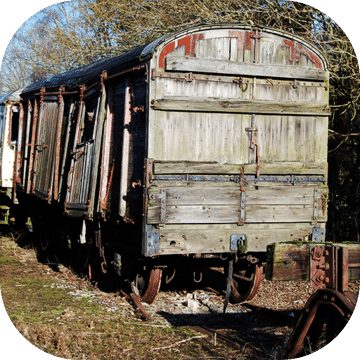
64 314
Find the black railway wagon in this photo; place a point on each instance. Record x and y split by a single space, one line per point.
198 149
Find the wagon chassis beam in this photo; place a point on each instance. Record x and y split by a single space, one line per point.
293 179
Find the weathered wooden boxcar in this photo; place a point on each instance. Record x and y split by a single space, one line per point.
201 147
9 124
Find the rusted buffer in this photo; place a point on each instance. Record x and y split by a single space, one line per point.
200 148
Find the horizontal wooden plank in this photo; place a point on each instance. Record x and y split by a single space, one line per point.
281 196
223 214
279 213
206 238
210 214
279 168
211 66
242 106
214 195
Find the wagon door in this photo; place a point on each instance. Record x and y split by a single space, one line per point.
124 149
85 154
237 136
46 146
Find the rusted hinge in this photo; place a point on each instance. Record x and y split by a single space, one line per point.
139 109
241 81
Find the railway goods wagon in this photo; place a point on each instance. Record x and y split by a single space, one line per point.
9 123
198 149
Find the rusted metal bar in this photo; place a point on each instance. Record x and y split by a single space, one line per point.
254 144
58 93
257 36
32 147
135 68
57 146
137 302
310 324
98 83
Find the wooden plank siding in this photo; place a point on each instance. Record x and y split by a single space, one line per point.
217 108
207 204
278 168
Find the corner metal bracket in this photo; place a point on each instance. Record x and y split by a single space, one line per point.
318 235
152 241
162 198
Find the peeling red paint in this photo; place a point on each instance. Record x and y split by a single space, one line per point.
240 36
297 49
187 42
194 39
190 47
248 40
165 51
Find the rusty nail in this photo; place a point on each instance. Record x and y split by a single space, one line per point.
153 101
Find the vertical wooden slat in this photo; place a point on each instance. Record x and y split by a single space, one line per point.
98 137
65 158
125 150
104 175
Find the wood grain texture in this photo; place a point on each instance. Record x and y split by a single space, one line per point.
215 66
242 106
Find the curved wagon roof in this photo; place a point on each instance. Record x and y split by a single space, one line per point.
12 96
87 74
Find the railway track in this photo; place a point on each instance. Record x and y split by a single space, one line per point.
222 328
